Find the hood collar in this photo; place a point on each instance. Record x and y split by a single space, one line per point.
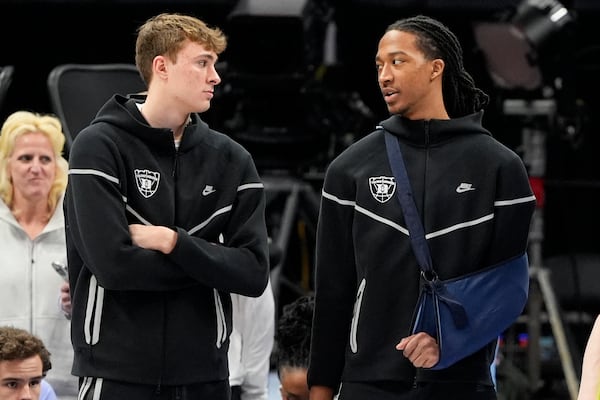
437 130
122 112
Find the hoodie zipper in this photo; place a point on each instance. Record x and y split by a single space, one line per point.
175 168
164 345
427 143
164 300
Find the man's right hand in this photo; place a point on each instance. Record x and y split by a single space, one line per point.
421 349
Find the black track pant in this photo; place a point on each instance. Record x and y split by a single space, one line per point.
102 389
421 391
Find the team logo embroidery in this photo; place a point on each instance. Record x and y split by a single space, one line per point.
147 181
382 187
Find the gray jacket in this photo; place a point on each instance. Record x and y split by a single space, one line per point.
30 289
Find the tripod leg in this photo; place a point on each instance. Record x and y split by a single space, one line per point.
283 237
535 302
558 332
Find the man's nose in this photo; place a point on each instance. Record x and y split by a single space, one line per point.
214 77
26 393
384 74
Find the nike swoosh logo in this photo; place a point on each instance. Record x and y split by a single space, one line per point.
464 187
208 190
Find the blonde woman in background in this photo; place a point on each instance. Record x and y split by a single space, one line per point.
33 177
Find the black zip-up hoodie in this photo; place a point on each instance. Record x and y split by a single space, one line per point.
476 204
139 315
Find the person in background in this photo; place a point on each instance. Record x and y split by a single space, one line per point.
33 177
165 218
251 345
24 362
475 201
293 347
589 388
65 299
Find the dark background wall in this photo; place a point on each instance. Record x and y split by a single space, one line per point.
36 36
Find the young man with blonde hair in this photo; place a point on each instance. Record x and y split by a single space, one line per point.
165 218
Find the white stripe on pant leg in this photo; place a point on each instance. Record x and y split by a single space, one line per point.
98 389
85 386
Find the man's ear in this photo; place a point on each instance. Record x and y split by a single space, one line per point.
437 67
159 66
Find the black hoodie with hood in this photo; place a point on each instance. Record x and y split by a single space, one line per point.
476 204
139 315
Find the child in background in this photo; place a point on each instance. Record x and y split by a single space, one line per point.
293 341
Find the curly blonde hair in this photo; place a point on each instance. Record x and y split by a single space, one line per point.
21 123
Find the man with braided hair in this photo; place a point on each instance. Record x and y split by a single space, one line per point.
473 196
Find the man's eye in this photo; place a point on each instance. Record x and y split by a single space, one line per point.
396 62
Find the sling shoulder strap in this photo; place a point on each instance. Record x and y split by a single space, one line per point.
417 239
407 203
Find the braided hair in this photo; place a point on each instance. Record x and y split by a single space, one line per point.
435 40
294 333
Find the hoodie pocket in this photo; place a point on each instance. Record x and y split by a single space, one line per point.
221 323
93 311
356 315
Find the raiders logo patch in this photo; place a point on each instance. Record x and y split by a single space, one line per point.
382 187
146 181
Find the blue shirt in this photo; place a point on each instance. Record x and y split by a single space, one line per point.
47 393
